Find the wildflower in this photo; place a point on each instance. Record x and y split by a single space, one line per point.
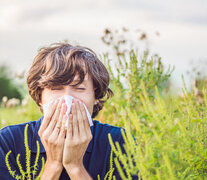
176 121
12 102
150 125
24 102
4 101
3 122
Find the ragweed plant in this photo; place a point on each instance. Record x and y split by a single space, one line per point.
126 77
111 169
31 171
171 143
170 132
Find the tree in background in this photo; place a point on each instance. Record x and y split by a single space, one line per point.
8 87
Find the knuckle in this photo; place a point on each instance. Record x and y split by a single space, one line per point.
40 132
50 140
60 142
44 137
69 145
56 143
75 142
84 139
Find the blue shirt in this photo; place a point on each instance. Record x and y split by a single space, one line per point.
96 159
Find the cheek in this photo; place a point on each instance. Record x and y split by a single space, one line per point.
90 108
89 104
48 96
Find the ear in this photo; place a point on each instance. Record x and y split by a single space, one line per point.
96 101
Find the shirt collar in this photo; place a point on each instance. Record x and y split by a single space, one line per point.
36 138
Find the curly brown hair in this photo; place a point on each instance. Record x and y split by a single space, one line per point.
59 63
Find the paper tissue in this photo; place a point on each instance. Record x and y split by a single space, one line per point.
68 101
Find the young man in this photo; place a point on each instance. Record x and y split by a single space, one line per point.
78 151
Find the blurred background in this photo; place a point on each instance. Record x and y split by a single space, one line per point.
176 30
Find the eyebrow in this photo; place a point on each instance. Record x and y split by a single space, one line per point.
77 80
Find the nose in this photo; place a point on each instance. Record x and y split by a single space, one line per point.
69 91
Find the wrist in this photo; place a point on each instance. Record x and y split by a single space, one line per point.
77 172
52 170
56 166
74 170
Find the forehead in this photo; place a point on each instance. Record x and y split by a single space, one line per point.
87 79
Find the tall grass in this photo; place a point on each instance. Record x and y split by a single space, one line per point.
170 131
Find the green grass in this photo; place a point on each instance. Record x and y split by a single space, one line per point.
171 136
19 114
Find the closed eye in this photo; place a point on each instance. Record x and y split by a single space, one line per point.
59 88
56 88
81 88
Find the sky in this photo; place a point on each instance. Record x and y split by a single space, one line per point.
26 26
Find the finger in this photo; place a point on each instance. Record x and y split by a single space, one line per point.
86 122
62 113
70 128
82 130
48 117
75 121
58 125
55 116
63 130
85 117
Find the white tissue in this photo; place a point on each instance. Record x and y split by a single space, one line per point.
68 101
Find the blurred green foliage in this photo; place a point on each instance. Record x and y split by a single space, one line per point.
20 113
7 85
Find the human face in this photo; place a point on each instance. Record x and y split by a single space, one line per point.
83 92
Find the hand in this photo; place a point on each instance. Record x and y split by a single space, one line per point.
52 133
77 138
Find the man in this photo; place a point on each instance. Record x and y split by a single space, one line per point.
78 151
